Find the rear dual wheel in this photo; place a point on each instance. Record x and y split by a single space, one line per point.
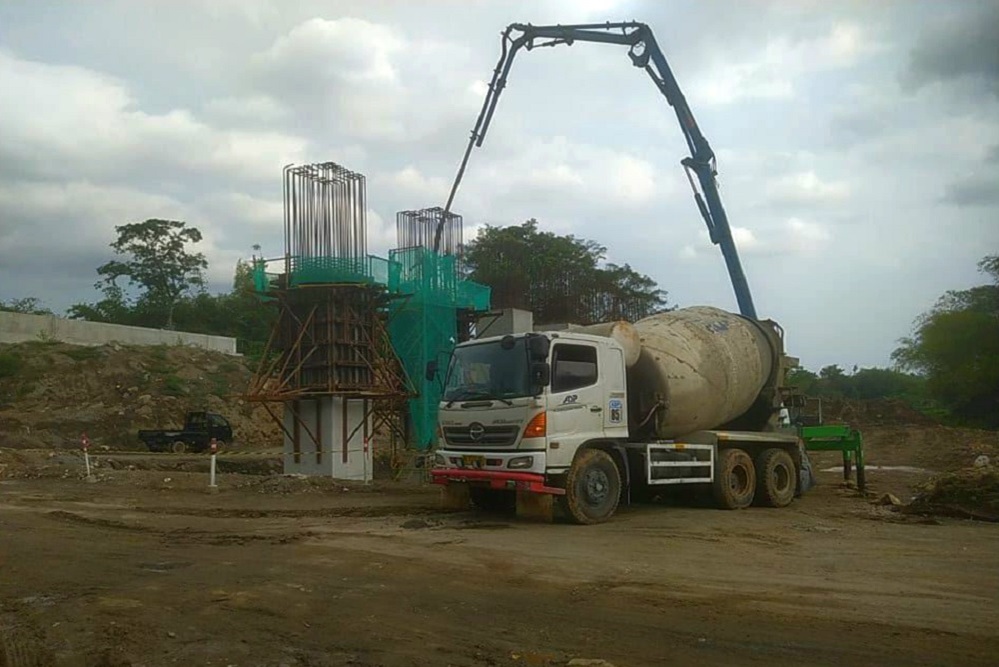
735 479
777 481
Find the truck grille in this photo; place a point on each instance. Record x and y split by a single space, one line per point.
488 436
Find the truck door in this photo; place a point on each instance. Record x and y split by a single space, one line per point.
575 412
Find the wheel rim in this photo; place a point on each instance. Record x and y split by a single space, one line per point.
596 486
739 480
780 477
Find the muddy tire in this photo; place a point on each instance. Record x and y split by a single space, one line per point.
776 478
735 480
219 447
592 488
178 447
493 500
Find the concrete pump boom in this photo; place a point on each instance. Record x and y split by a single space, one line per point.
645 53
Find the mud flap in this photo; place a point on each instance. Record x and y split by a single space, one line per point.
806 476
455 497
535 506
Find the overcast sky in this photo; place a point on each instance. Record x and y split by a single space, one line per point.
857 142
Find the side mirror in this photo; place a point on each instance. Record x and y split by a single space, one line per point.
538 347
431 372
541 374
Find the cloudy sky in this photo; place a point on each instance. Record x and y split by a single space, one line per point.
857 142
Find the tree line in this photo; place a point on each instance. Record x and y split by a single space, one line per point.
157 280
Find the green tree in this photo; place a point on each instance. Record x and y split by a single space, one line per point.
804 379
559 278
156 260
27 306
956 346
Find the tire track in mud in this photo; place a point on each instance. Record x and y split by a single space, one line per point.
180 535
22 643
318 513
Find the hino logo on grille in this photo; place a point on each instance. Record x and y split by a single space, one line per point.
476 430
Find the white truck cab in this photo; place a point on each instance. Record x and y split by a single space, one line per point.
524 404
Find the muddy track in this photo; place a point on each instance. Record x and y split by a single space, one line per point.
122 574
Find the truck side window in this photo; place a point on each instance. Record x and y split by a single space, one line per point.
573 366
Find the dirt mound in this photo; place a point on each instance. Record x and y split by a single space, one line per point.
52 392
934 447
971 493
874 412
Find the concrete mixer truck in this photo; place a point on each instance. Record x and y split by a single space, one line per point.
579 420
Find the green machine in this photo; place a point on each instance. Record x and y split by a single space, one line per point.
806 416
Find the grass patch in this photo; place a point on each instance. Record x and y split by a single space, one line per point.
158 362
174 386
229 367
220 387
10 365
83 353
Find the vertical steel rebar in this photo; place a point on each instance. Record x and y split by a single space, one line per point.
325 215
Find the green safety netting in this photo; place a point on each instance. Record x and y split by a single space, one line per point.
422 317
325 270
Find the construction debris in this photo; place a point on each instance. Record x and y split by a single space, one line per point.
969 493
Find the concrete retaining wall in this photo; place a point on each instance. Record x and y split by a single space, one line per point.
18 328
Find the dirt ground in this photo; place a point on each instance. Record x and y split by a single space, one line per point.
144 567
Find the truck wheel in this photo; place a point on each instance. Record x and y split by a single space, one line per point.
179 447
592 488
777 479
735 480
493 500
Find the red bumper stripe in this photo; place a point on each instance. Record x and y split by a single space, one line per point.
520 481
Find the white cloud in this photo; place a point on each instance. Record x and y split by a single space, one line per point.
42 221
556 179
261 109
745 239
804 237
366 80
245 209
773 72
411 183
806 187
794 238
344 50
380 234
60 120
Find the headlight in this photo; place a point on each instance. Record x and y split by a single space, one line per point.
521 462
439 461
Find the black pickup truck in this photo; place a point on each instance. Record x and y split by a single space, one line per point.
196 436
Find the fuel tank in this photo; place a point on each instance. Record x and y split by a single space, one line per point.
700 368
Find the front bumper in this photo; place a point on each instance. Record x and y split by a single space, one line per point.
494 473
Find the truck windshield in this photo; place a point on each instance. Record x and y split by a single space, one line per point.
488 370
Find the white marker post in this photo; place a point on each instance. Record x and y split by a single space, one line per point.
364 455
85 444
212 486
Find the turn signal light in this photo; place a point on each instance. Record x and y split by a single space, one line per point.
537 427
